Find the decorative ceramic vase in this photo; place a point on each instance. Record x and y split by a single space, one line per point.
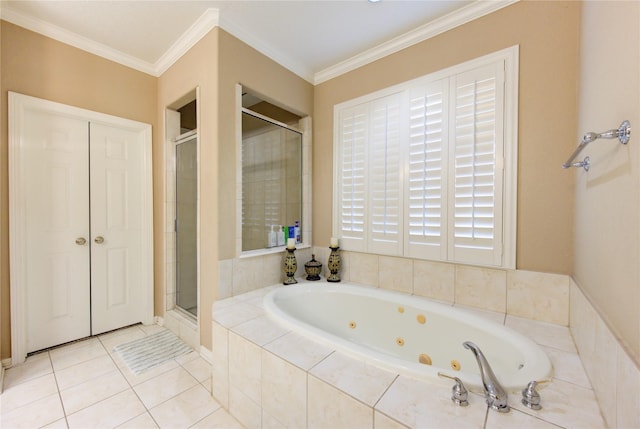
313 269
290 267
334 264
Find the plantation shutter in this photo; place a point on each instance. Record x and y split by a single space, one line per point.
477 175
426 216
420 167
385 169
353 124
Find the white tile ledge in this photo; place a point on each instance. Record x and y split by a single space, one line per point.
405 401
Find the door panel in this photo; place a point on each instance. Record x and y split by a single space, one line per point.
117 188
56 199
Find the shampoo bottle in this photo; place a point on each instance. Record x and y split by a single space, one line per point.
280 236
272 237
296 229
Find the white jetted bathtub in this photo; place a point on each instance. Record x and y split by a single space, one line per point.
406 334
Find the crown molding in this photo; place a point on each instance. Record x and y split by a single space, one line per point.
75 40
455 19
205 23
212 18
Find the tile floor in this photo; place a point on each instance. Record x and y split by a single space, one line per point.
86 385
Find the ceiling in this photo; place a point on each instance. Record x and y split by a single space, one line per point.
316 39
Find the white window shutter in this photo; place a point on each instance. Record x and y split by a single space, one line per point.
385 176
428 169
351 187
477 153
426 217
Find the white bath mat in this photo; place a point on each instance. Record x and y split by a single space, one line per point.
148 352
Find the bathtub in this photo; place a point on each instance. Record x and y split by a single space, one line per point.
407 334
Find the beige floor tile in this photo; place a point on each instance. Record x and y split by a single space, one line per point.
192 355
159 389
185 409
113 339
151 329
199 368
84 371
93 391
35 414
58 424
76 353
219 419
109 413
35 366
27 392
143 421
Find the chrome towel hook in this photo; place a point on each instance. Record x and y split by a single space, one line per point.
622 133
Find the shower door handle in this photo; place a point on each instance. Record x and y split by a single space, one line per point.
99 239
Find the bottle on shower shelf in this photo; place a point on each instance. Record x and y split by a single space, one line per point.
296 230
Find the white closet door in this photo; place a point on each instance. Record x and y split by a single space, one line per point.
56 201
119 297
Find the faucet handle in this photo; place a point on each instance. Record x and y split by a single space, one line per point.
530 396
459 393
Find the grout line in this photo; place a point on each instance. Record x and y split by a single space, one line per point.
64 411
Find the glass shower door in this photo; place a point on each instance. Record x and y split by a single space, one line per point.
186 226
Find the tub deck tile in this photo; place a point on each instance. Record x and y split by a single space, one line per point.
363 381
543 333
516 419
298 350
343 391
566 405
240 312
419 404
260 330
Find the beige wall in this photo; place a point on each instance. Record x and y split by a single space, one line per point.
547 33
239 63
607 214
41 67
216 64
197 68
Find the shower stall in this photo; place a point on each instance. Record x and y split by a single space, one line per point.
186 228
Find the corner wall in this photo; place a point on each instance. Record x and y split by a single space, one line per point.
607 213
38 66
241 64
547 33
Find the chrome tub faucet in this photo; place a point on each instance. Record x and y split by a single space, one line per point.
493 391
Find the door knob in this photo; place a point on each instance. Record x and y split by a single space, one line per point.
81 241
99 239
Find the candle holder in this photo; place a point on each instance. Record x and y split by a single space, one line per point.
313 269
334 263
290 267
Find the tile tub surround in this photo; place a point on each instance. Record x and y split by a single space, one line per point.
267 376
528 294
614 375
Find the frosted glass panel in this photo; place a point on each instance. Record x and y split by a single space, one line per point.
186 226
271 180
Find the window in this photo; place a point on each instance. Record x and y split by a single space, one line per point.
427 169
